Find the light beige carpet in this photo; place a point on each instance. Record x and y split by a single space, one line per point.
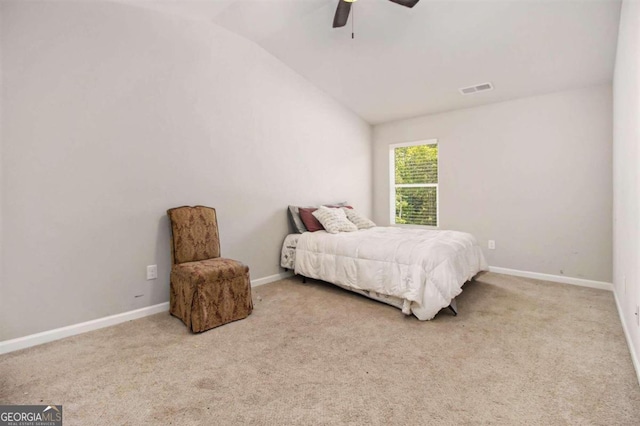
520 352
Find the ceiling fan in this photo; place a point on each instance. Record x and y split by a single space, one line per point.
344 7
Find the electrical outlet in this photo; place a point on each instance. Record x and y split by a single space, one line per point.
152 272
492 244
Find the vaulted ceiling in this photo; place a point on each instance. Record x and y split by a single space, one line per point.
410 62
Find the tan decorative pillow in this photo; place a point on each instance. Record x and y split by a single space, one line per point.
358 219
334 220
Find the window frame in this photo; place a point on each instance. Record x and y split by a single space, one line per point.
393 185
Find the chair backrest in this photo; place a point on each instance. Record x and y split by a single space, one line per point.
194 234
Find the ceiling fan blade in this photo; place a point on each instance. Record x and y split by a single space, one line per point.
342 14
407 3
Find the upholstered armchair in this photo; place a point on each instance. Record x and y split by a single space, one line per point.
206 290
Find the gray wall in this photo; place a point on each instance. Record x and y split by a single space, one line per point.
626 178
112 114
533 174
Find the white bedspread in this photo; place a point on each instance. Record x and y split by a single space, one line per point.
423 267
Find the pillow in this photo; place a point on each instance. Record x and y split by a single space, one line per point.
296 221
358 219
341 204
334 220
310 222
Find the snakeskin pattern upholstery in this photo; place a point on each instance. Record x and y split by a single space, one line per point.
206 290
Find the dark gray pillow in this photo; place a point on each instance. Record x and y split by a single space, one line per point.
294 217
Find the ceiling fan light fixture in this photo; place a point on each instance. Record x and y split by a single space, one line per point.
344 7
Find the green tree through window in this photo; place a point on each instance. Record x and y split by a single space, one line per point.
416 184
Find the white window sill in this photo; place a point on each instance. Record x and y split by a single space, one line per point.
408 225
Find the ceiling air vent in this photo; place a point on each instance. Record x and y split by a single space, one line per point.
477 88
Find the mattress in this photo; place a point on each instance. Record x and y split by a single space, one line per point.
423 269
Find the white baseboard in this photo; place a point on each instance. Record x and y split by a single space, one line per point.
627 335
555 278
271 278
72 330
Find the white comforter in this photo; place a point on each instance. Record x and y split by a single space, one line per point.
425 268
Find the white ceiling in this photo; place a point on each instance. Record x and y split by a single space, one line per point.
409 62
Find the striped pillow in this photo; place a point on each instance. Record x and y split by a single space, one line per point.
360 220
334 220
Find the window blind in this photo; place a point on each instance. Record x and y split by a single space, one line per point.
416 184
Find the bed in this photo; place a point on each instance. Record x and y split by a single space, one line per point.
418 271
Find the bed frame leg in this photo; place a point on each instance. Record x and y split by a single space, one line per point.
454 308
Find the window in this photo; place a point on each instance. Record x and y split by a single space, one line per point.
414 183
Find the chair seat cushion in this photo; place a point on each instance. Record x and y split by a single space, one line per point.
219 268
209 293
